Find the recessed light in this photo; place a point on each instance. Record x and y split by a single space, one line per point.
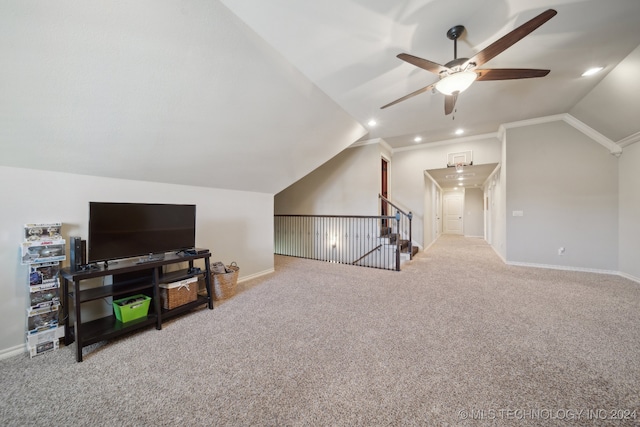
372 122
460 184
460 178
592 71
459 131
417 139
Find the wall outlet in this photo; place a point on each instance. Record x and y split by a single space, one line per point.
561 251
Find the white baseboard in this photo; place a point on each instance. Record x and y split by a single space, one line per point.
256 275
13 351
563 267
629 276
498 253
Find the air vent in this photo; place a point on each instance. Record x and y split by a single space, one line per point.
460 175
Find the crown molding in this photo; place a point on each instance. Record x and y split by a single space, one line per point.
613 148
373 141
631 139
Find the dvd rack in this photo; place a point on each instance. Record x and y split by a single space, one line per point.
42 250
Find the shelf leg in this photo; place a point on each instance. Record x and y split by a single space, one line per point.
207 281
156 297
65 312
78 321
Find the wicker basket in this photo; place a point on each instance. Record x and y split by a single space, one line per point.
224 284
179 293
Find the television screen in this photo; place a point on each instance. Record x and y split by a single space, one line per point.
125 230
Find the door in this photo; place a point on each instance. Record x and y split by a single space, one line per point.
384 184
453 209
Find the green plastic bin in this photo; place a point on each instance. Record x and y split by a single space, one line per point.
131 308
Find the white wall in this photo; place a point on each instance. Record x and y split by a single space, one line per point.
432 204
566 185
496 207
407 175
234 225
348 184
629 220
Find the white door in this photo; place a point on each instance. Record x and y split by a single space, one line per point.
453 209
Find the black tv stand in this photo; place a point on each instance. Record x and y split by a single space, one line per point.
129 277
150 258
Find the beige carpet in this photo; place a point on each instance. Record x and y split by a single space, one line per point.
455 338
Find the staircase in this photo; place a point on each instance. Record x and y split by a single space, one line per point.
378 241
407 251
402 231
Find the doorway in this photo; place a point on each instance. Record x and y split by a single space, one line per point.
453 208
384 185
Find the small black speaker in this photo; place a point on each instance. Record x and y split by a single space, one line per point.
77 253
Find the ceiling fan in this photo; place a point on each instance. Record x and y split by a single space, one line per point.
457 75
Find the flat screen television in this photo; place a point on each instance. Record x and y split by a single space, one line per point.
126 230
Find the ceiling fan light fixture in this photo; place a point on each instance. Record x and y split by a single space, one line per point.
456 82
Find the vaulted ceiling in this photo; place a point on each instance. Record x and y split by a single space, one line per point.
348 49
252 95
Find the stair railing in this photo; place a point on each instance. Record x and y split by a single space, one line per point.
403 230
348 239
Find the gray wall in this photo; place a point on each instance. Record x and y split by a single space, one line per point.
630 211
566 185
473 212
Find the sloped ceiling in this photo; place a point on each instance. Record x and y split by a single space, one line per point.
252 95
349 47
165 91
613 106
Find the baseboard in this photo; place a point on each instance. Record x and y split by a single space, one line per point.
563 267
13 351
629 276
499 254
256 275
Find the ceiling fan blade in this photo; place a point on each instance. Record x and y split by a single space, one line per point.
450 103
509 73
425 64
412 94
511 38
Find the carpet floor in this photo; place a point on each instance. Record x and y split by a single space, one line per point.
456 338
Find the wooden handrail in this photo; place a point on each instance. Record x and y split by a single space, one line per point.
397 208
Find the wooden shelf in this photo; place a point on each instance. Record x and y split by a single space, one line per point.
109 327
111 290
129 277
185 307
